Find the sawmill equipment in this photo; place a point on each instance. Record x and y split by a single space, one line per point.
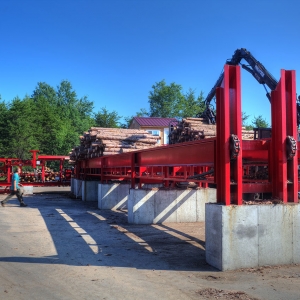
39 174
254 67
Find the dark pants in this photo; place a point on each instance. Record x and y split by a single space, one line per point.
18 193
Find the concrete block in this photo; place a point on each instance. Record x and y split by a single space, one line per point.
231 234
275 234
168 205
165 208
240 237
113 196
141 206
72 185
214 235
186 206
204 196
27 190
252 235
90 190
78 188
296 234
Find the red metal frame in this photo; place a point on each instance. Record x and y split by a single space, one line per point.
7 165
181 162
284 123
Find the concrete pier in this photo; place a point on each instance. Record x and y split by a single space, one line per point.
151 206
76 187
113 195
89 190
252 235
27 189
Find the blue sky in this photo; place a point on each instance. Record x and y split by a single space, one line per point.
113 51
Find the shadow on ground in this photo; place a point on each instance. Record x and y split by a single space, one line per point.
85 235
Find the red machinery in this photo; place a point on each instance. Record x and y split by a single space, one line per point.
224 161
36 178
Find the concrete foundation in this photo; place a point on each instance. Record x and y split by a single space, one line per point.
89 190
73 185
27 190
252 235
113 195
76 187
151 206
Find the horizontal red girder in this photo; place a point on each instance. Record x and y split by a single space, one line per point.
190 153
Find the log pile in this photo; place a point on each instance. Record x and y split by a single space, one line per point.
193 129
98 141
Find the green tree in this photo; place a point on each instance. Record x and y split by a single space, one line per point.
20 124
61 117
166 100
4 141
260 122
191 106
244 118
106 119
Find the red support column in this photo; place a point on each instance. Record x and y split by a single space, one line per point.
43 173
222 153
61 163
292 131
229 121
284 130
34 152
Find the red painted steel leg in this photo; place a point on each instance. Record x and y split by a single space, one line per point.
229 121
34 152
236 129
291 128
284 124
222 156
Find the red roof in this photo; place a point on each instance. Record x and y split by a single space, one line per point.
155 122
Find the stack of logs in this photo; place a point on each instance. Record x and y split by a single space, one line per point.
193 129
98 141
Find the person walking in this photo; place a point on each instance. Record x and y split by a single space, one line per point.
15 189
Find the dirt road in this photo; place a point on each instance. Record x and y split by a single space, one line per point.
63 248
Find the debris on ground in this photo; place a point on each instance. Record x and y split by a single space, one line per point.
210 293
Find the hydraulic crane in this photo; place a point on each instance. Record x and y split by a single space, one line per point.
254 67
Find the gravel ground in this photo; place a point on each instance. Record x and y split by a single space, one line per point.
62 248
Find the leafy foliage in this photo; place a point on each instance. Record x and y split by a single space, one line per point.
168 101
107 119
51 120
260 122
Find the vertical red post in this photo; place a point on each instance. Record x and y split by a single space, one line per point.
284 128
223 133
236 129
229 121
34 152
43 173
61 163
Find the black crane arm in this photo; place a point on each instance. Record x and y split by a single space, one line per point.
259 72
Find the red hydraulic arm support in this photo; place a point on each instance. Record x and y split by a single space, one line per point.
229 125
284 158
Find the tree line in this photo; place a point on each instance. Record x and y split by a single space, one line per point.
52 119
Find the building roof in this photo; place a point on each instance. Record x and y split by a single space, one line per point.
155 122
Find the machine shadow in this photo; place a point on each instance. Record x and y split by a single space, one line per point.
85 235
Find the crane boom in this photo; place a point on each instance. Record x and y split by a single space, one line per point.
254 67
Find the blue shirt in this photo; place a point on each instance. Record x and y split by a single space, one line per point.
15 177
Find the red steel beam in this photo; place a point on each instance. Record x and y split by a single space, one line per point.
229 122
284 124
